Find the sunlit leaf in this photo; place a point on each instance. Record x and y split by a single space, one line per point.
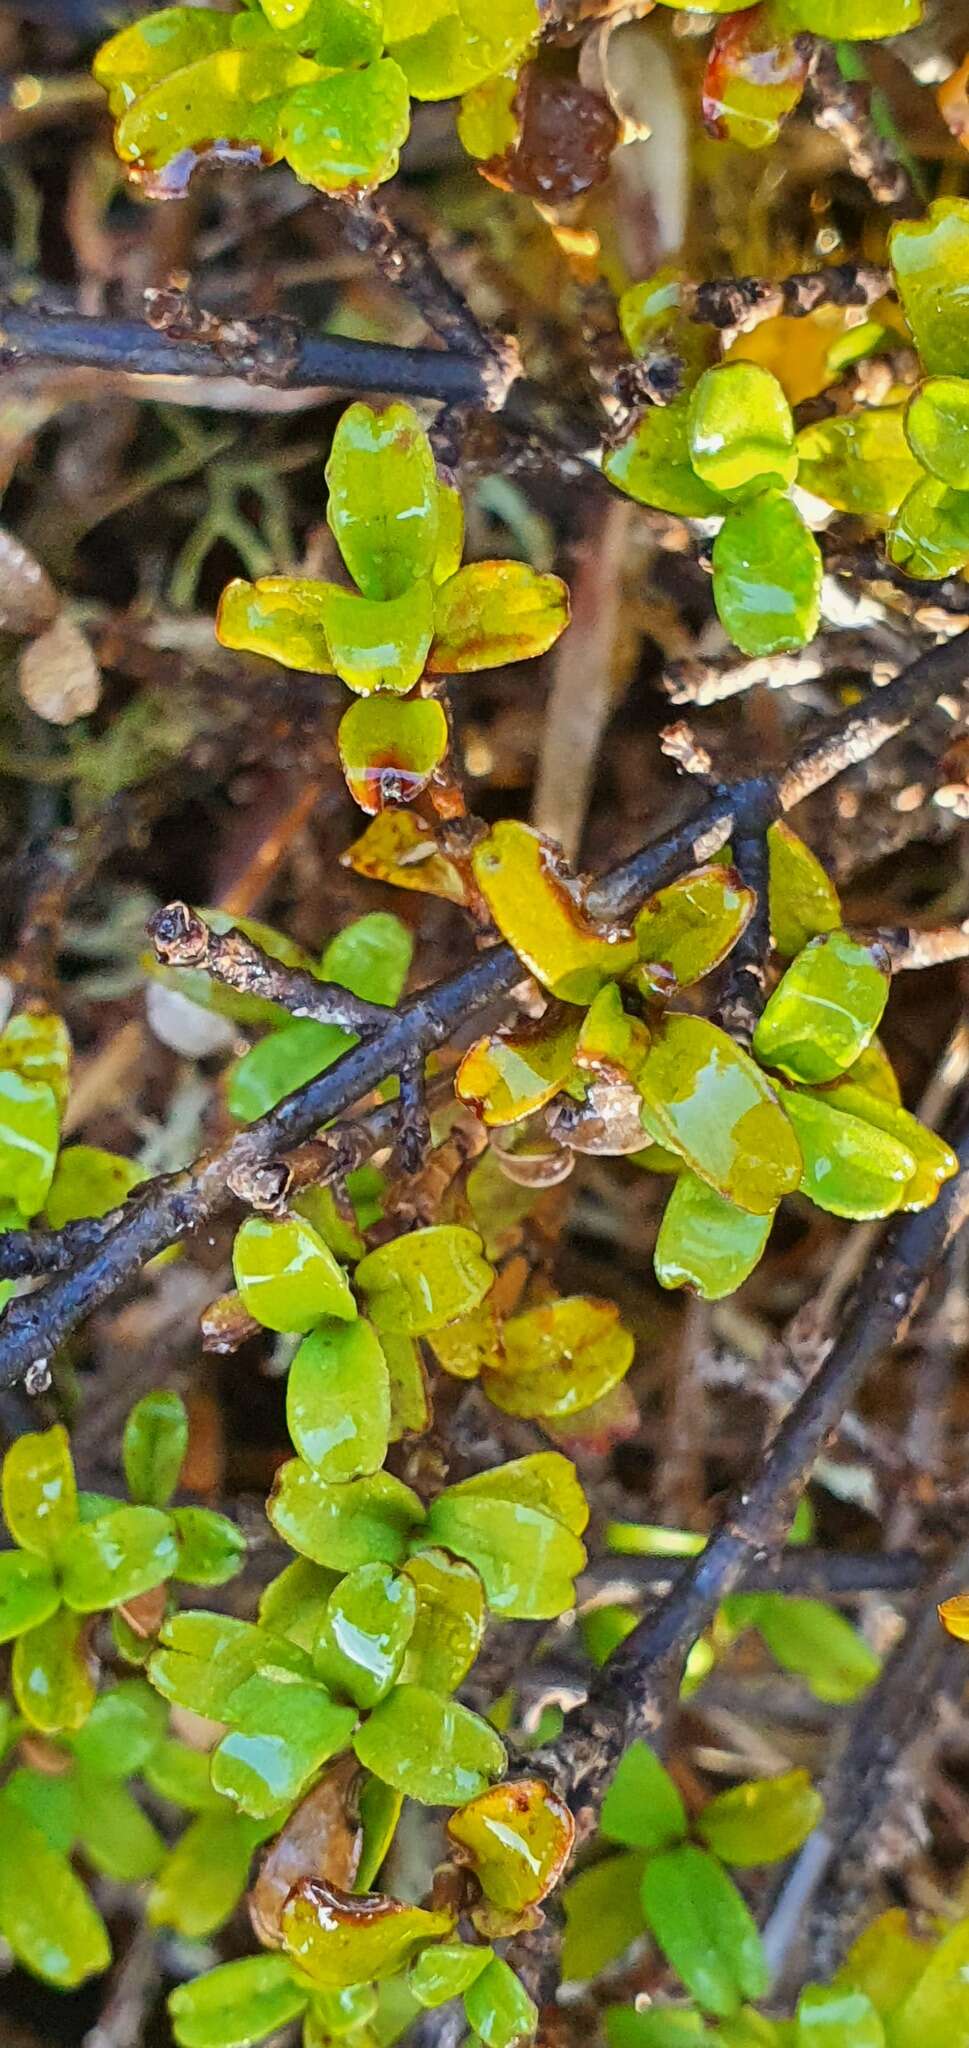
491 613
402 849
706 1243
383 505
804 902
929 536
29 1593
347 131
653 465
365 1631
688 928
858 462
826 1008
517 1838
424 1279
233 96
560 1357
365 1521
36 1044
519 1527
741 431
29 1131
137 57
390 750
937 428
287 1277
508 1075
754 77
278 616
40 1491
935 1161
704 1098
445 46
767 576
338 1938
379 643
537 907
930 262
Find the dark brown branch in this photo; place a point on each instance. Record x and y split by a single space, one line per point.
823 1574
743 302
166 1212
182 938
746 988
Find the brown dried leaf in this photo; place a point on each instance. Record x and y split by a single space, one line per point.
28 599
322 1840
58 676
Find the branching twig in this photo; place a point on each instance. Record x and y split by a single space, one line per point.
182 938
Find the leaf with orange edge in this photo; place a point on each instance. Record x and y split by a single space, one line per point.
517 1838
389 750
401 849
520 1066
495 612
538 908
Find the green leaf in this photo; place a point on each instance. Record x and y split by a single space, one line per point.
371 956
937 429
204 1875
389 750
517 1838
181 1775
804 903
642 1807
443 1972
886 1961
154 1446
424 1279
282 1062
287 1277
365 1631
755 76
449 1623
602 1915
704 1928
810 1639
767 577
653 465
493 613
116 1837
537 907
741 431
930 261
929 536
858 462
761 1821
337 32
704 1098
46 1916
852 19
935 1161
29 1131
293 1604
203 1657
280 1735
383 505
211 1548
365 1521
380 1809
89 1182
335 2013
36 1045
280 617
836 2017
659 2026
40 1491
237 2004
516 1070
137 57
379 643
51 1674
446 46
498 2007
235 96
114 1559
29 1593
346 132
825 1010
850 1167
339 1940
50 1804
124 1729
706 1243
429 1748
338 1400
935 2012
560 1357
688 928
518 1526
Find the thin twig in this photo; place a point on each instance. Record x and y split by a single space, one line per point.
746 989
182 938
842 107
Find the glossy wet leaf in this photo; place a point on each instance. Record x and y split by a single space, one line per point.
935 1161
704 1098
365 1521
383 505
401 849
498 2007
706 1243
810 1639
449 1623
211 1547
688 928
429 1747
519 1068
390 750
46 1916
119 1556
519 1526
339 32
237 2004
29 1593
852 19
321 1838
767 577
202 1658
153 1447
930 262
463 1348
446 46
826 1008
338 1400
872 1071
123 1731
653 465
380 1810
937 428
367 1626
443 1972
346 132
754 77
411 1411
287 1277
602 1915
741 431
929 536
704 1929
804 902
278 616
851 1168
642 1807
379 643
293 1604
611 1044
280 1735
424 1279
858 462
837 2017
29 1131
338 1938
560 1357
40 1491
761 1821
137 57
491 613
52 1674
37 1045
517 1838
204 1874
49 1802
538 908
234 96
